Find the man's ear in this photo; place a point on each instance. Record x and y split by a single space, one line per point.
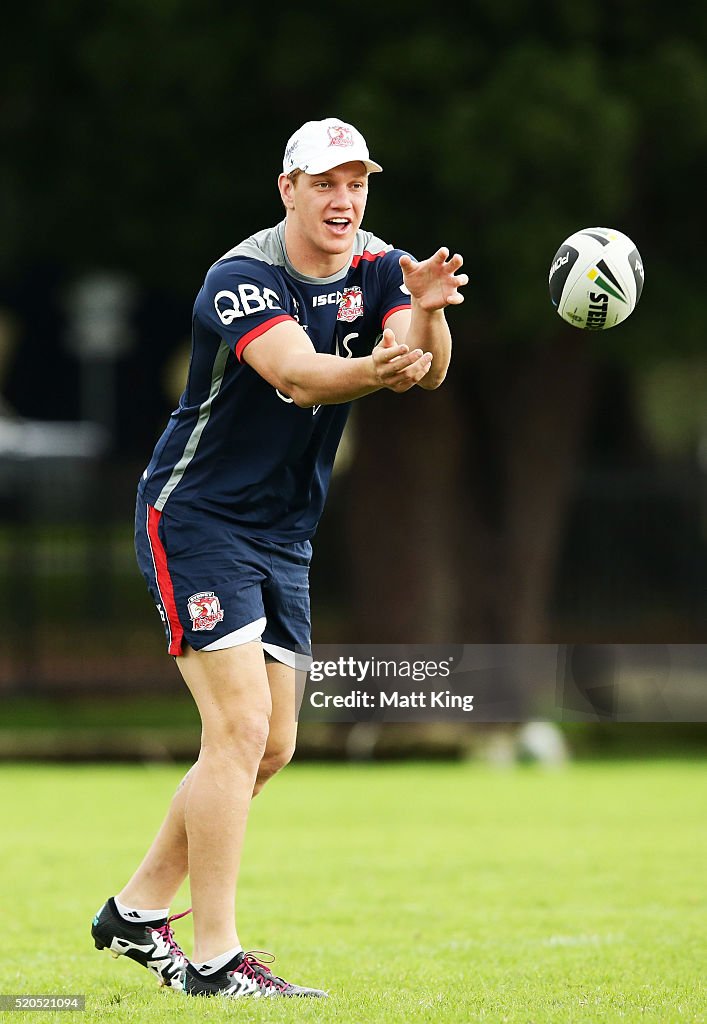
287 191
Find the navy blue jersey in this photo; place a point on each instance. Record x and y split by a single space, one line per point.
236 447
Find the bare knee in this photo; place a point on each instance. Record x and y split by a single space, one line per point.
241 737
271 763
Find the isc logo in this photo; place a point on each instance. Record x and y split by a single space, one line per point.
330 299
250 299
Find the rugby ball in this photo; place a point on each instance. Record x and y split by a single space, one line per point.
596 278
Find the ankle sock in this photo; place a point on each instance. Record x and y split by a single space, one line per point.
217 963
140 916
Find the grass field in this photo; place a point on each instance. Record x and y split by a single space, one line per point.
436 893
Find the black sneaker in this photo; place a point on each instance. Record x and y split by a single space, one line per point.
248 966
226 982
245 975
152 945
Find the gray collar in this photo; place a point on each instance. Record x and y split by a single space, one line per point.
338 276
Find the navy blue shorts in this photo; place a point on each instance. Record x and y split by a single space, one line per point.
215 588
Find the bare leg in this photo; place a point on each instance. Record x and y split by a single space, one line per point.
231 690
164 868
282 735
166 863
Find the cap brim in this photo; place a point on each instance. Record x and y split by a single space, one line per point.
371 166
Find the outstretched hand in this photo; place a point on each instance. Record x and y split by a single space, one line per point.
434 283
395 366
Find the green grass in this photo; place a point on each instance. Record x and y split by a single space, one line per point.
414 893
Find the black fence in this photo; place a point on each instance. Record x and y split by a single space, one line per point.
76 616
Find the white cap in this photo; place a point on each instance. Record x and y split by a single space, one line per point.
318 146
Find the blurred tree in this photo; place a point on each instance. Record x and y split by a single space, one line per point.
518 137
141 136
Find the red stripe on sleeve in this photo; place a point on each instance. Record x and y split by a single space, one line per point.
367 256
395 309
164 581
261 329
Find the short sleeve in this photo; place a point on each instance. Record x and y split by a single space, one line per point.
393 295
240 300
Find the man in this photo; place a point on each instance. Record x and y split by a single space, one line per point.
285 333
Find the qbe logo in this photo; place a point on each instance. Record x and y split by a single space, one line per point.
250 299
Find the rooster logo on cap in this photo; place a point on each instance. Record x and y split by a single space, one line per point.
339 135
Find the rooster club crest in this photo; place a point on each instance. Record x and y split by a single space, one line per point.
205 610
340 136
351 305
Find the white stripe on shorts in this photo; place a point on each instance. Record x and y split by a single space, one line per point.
301 662
244 635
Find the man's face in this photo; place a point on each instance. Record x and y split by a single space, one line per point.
326 209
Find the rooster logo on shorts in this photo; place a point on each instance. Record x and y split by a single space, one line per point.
205 610
340 136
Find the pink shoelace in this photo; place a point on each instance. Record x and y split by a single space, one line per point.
251 967
167 934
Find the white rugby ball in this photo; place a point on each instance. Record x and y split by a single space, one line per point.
596 278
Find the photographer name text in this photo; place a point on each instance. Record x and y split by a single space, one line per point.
393 699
